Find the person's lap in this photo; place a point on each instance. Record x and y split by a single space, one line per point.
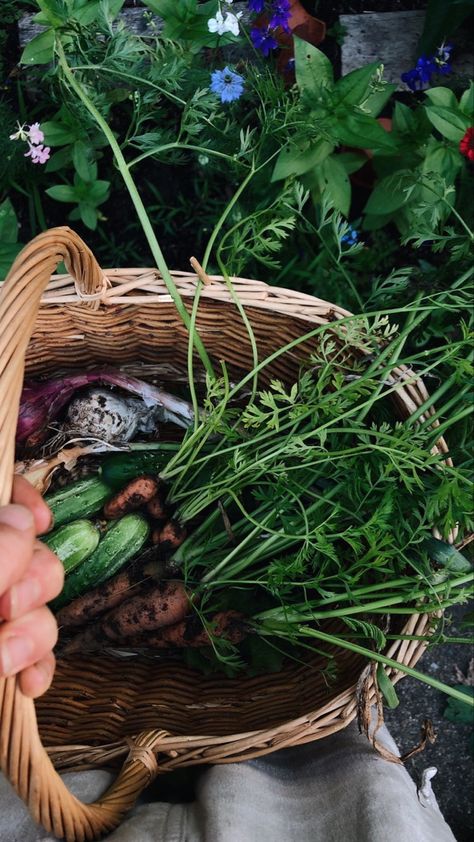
335 789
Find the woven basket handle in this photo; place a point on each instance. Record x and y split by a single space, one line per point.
23 758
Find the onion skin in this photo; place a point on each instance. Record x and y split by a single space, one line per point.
41 402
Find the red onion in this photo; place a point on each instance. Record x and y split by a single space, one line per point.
41 401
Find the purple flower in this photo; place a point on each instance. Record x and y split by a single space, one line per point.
228 85
263 40
39 154
280 15
256 6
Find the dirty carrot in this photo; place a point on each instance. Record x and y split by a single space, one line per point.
227 625
132 496
160 605
170 536
111 593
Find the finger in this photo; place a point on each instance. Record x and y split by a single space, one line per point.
25 641
35 680
24 494
43 581
17 537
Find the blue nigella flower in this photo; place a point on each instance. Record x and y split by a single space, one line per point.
263 40
256 6
228 85
351 237
280 15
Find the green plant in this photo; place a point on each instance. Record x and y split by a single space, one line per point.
418 186
331 114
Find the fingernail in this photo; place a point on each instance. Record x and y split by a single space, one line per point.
23 596
18 517
15 653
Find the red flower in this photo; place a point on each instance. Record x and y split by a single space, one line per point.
466 144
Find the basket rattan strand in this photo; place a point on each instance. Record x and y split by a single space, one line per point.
151 715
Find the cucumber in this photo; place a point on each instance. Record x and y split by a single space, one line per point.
73 543
120 544
118 468
79 500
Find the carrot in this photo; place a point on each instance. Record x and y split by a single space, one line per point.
134 495
156 508
112 592
156 606
170 536
189 632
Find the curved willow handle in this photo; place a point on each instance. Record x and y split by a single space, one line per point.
23 758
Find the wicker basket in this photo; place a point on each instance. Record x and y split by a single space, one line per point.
151 715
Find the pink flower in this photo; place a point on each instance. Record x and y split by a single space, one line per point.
39 154
35 134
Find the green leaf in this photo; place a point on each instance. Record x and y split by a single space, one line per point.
467 102
443 160
334 182
57 134
387 196
354 88
312 68
40 49
88 215
98 192
363 131
88 11
8 223
446 555
83 162
352 161
459 712
442 96
291 161
404 120
59 160
451 124
53 11
8 252
386 688
62 193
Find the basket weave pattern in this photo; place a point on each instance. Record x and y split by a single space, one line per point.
153 715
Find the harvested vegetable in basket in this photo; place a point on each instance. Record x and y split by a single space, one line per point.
309 503
41 403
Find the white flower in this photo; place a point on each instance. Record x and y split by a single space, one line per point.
21 134
221 25
217 24
232 22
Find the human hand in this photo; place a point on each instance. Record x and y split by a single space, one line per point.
30 575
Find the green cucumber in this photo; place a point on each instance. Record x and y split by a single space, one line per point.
78 500
118 468
73 543
120 544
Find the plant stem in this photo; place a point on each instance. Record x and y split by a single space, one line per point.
375 656
137 201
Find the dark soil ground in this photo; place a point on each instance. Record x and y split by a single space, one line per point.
453 751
